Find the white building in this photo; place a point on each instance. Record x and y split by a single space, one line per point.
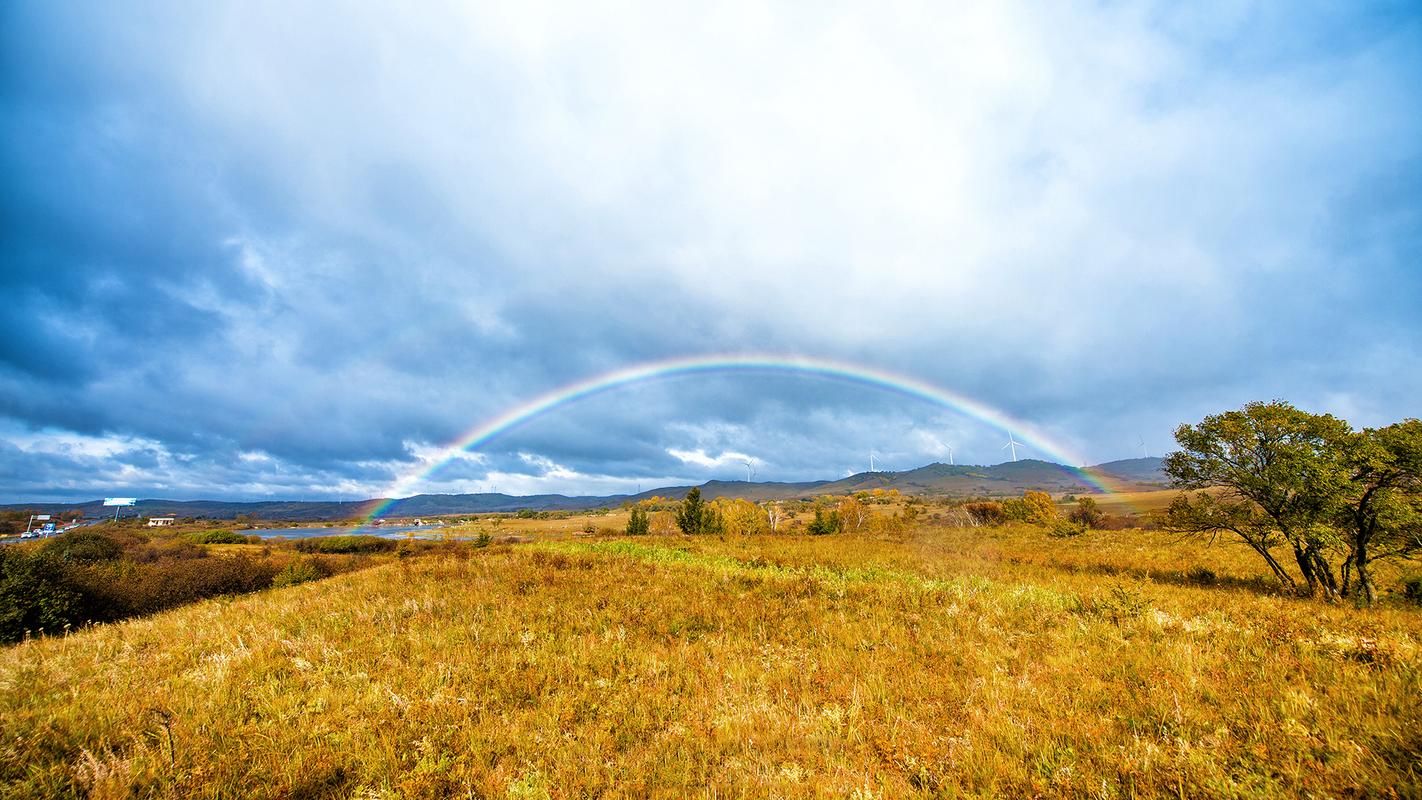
159 522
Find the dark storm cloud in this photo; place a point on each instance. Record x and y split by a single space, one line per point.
253 250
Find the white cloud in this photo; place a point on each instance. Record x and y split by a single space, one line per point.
701 459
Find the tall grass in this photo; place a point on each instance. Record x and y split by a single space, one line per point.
943 663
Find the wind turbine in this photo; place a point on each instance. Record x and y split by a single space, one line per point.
1013 444
750 471
950 454
1145 453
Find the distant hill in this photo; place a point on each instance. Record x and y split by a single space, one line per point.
1011 478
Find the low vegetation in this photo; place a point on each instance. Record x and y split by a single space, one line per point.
937 661
110 573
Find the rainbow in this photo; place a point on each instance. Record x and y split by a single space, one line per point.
794 365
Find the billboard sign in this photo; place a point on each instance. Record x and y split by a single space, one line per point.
120 501
41 516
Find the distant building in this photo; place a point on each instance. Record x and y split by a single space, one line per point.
159 522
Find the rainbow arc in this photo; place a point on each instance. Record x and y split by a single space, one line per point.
883 380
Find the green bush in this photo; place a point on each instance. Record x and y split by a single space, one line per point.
346 544
299 571
216 537
825 523
33 595
84 547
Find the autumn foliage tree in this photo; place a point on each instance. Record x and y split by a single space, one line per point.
740 516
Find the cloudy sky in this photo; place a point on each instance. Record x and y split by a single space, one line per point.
271 249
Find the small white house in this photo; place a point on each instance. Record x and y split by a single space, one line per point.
159 522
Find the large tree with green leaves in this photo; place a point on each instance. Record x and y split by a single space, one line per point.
1382 514
1274 475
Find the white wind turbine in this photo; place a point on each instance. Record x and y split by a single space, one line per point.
1140 442
949 447
1013 444
750 471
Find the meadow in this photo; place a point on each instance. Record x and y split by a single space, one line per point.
938 662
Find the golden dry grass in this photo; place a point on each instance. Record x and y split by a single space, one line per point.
945 663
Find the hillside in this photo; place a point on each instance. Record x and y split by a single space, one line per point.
1011 478
945 663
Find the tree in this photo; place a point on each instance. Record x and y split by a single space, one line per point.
695 517
1277 476
1382 515
638 524
1035 508
773 516
825 523
742 517
853 512
1040 508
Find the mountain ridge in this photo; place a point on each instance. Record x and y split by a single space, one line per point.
1008 478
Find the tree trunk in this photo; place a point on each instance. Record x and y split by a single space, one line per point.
1306 567
1324 572
1365 580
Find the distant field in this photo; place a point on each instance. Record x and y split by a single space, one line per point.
946 662
1135 502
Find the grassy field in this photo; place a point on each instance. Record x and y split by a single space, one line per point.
943 662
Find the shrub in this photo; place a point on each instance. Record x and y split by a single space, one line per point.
1087 513
216 537
122 589
483 539
825 523
1040 509
84 547
1202 576
346 544
299 571
1015 509
154 551
986 513
1412 588
33 595
1063 528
